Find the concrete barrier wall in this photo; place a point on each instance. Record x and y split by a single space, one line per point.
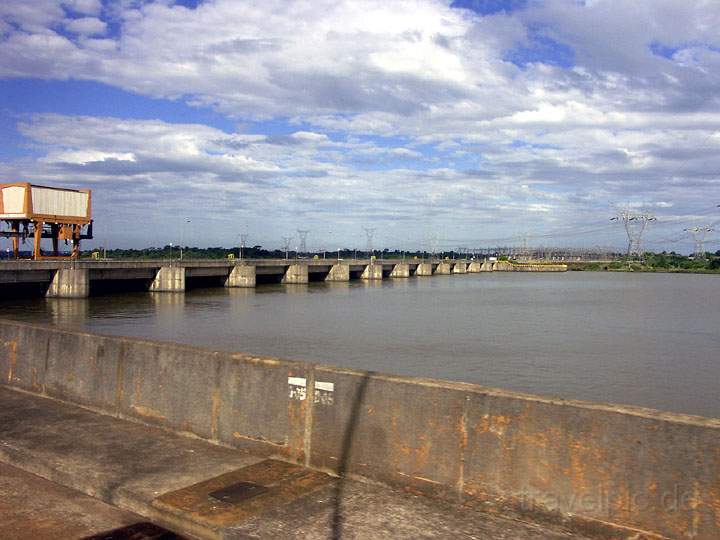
507 266
615 470
522 267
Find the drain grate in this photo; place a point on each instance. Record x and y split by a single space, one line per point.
238 492
236 496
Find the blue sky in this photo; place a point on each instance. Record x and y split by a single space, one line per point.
476 122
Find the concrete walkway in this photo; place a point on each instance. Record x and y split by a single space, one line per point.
196 488
32 507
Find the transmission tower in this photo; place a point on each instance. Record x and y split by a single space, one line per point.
303 239
243 242
433 243
286 244
635 225
369 233
698 234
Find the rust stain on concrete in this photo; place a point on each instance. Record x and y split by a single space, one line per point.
714 503
713 495
263 440
580 456
463 432
36 386
120 378
12 358
695 505
462 428
422 453
493 423
148 412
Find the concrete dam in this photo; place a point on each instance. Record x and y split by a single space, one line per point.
215 444
79 279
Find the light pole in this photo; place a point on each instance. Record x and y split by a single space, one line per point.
171 246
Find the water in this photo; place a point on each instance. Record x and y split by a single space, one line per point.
643 339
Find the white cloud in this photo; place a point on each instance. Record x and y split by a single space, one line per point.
82 157
632 119
85 7
310 137
86 26
420 63
31 16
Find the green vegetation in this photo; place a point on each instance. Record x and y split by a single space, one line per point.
254 252
656 262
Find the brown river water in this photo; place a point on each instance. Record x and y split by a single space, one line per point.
642 339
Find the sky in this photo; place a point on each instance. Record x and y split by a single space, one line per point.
463 123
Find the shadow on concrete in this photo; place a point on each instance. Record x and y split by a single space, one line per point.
347 443
137 531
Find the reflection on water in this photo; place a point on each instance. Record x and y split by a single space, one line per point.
647 339
168 301
63 311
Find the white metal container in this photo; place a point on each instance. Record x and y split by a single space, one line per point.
24 201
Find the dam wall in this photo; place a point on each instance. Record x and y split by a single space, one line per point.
617 471
89 277
507 266
529 267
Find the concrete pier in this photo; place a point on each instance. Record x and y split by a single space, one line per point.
242 275
443 268
169 279
400 270
339 272
424 269
296 274
460 268
373 271
474 267
69 283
